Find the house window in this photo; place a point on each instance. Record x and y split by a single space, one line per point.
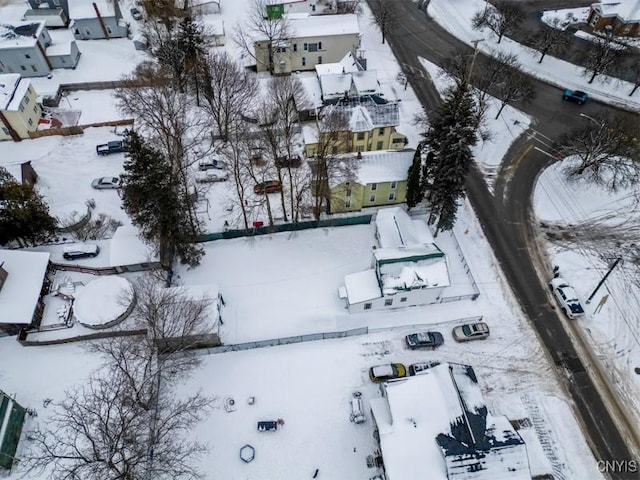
392 196
21 108
359 148
62 60
379 145
403 299
360 136
319 45
109 30
347 203
30 122
388 302
281 49
319 60
348 192
304 61
35 108
367 306
88 32
381 131
306 47
594 20
5 130
394 185
76 31
27 56
372 199
313 8
34 68
295 47
374 187
26 100
313 47
22 67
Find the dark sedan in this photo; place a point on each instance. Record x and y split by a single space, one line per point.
424 340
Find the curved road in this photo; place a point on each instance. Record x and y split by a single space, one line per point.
505 219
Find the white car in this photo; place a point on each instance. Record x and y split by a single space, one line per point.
212 176
106 183
566 297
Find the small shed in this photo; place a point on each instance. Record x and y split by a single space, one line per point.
11 421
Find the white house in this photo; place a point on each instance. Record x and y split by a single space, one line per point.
22 275
408 268
436 426
19 108
314 40
278 8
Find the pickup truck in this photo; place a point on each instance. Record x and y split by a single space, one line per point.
115 146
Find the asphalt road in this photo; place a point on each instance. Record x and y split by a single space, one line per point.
505 219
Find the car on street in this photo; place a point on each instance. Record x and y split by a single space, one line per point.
576 96
269 186
418 368
470 331
80 250
382 373
106 183
424 340
136 13
566 297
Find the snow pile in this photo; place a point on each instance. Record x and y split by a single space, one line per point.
104 302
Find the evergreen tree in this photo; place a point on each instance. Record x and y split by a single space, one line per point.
24 216
414 195
451 135
156 203
190 41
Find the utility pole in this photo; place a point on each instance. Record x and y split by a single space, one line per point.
473 59
613 265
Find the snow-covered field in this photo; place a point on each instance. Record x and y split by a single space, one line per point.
286 284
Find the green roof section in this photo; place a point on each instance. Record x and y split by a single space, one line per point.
11 421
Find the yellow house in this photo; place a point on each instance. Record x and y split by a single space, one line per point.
370 127
19 108
380 179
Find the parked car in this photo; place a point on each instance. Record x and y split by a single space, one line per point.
424 340
106 182
136 13
284 162
418 368
576 96
212 176
382 373
80 250
566 297
115 146
470 331
211 162
270 186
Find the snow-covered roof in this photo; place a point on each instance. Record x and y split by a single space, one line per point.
627 10
362 286
348 84
20 35
360 120
346 65
323 25
313 97
334 84
378 167
57 49
415 266
18 95
8 84
81 9
209 292
365 82
309 134
378 114
443 403
21 290
126 248
395 228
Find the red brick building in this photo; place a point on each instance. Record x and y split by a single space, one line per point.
623 16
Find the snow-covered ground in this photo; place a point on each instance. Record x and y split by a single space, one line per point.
286 284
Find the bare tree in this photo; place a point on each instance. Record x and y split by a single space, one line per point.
237 152
348 7
550 39
514 87
260 27
606 151
128 422
229 92
97 228
633 72
164 115
385 15
327 168
603 57
502 18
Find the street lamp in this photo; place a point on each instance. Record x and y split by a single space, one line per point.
592 119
